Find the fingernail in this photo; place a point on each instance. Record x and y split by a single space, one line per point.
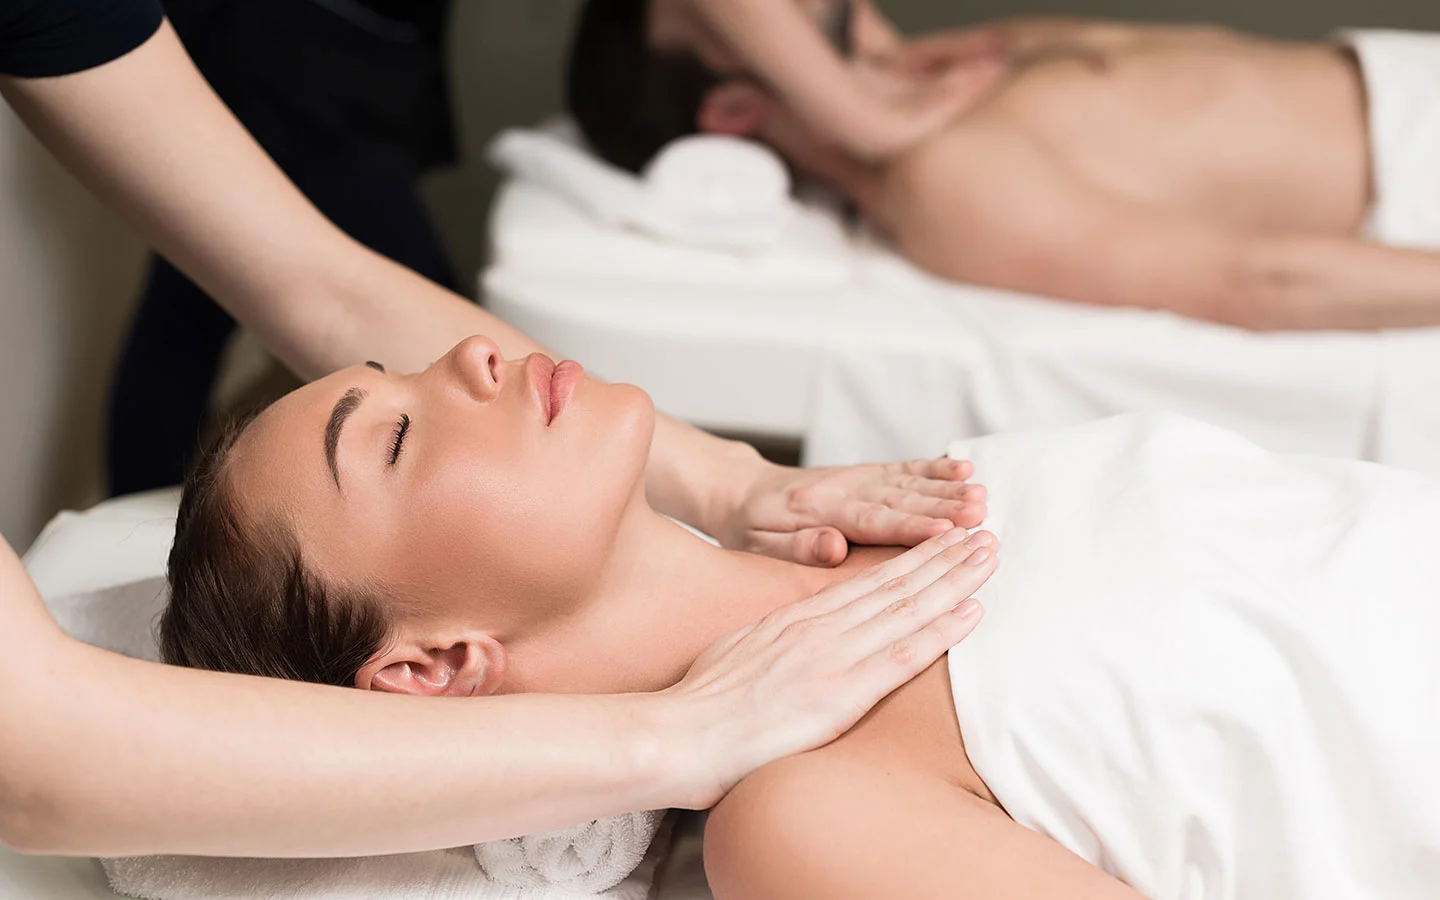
967 609
821 555
978 539
978 557
953 536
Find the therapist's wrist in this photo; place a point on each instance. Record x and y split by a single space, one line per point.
732 472
697 477
673 747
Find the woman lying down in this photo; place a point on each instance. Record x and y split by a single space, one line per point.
1206 671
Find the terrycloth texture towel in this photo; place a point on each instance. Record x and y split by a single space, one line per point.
587 858
706 190
441 875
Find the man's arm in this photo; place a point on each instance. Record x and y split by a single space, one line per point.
987 206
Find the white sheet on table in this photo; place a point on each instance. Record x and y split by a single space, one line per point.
962 361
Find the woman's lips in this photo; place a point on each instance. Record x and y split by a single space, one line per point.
540 370
563 380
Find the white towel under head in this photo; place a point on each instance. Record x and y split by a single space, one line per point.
609 859
587 858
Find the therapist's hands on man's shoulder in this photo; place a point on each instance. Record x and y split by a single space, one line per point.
811 516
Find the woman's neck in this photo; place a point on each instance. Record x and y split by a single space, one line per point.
663 598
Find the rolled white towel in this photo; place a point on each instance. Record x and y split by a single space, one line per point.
586 859
558 872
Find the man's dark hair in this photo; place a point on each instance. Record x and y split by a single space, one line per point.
629 98
243 600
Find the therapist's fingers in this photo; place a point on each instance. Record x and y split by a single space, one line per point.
933 506
925 56
843 593
965 513
915 627
943 469
876 523
824 546
902 602
891 484
903 659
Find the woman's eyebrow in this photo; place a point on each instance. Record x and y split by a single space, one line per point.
376 366
344 408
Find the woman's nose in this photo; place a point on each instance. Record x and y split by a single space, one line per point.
476 363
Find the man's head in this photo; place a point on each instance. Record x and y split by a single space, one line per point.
628 96
643 73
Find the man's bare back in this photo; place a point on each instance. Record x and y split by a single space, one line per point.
1192 169
1250 133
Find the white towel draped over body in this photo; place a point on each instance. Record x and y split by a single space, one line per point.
1211 670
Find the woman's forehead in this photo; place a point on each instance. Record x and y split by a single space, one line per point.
276 443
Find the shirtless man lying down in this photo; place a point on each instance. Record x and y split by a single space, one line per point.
1262 183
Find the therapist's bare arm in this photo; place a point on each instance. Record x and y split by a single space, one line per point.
147 134
851 102
104 755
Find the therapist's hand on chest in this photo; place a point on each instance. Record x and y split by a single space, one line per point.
811 516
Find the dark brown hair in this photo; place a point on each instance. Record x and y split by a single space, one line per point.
242 598
631 99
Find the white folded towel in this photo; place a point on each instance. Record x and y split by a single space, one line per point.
543 867
706 190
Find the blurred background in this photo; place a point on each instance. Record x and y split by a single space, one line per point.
71 271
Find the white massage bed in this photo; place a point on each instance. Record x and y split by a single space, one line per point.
101 572
825 335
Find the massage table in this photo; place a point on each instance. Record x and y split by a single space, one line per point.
101 572
825 336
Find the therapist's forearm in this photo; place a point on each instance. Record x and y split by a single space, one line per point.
146 133
693 475
777 41
103 755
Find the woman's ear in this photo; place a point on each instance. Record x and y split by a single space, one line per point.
467 665
736 108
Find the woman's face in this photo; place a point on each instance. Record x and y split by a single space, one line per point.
479 484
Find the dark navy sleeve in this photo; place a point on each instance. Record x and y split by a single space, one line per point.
41 38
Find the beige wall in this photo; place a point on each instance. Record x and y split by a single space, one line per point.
70 271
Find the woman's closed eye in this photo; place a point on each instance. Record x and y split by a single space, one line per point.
397 443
